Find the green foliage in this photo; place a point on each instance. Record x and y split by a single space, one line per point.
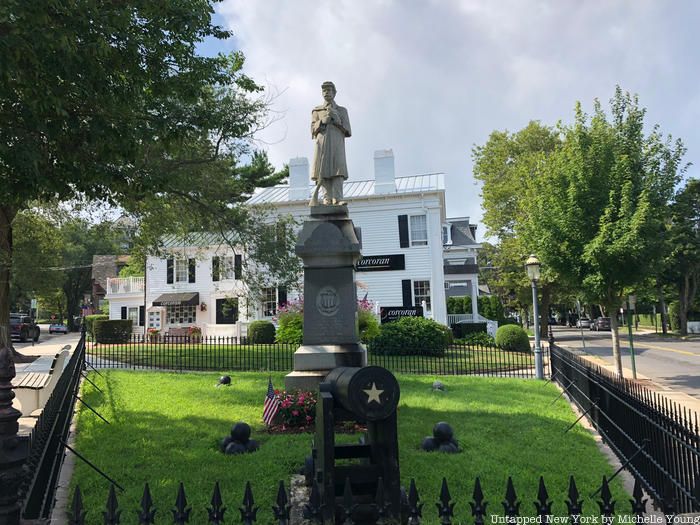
134 268
290 327
491 308
674 317
90 323
477 338
368 325
104 307
461 330
261 332
411 336
112 331
512 338
455 305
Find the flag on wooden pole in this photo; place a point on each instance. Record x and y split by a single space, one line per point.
271 405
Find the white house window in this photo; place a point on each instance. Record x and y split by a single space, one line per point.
181 313
227 268
269 302
133 314
181 270
421 292
446 234
154 320
419 230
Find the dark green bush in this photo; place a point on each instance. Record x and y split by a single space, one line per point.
512 338
290 328
411 336
90 323
478 338
112 331
368 325
261 332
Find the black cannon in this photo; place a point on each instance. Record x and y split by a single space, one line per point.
367 395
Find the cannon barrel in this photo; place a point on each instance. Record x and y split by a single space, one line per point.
371 392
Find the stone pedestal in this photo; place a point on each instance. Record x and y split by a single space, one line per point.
329 245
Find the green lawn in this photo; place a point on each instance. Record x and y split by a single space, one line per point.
165 428
457 359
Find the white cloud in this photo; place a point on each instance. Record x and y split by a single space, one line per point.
432 78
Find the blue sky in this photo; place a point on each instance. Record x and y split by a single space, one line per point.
429 79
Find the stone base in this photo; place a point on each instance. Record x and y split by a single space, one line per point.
328 357
307 381
323 210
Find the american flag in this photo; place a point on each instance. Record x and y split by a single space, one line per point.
271 404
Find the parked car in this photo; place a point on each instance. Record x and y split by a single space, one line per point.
58 328
601 323
584 322
23 327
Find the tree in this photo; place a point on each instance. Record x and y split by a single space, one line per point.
505 165
684 240
110 102
598 205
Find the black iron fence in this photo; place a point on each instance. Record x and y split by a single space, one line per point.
656 439
603 509
47 440
181 353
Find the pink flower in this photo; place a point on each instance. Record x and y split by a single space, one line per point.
301 398
295 412
309 418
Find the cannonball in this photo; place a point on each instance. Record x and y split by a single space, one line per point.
429 444
437 385
240 432
442 432
252 445
225 380
225 443
235 448
449 448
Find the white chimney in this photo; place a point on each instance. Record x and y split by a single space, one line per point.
384 181
298 179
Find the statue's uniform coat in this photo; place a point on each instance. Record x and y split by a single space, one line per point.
329 150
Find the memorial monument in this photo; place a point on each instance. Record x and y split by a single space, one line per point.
329 246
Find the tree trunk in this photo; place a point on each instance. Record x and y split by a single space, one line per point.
615 333
662 305
544 311
7 215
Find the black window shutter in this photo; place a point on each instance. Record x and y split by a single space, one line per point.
281 296
237 266
190 270
142 315
403 231
406 292
124 314
215 268
171 270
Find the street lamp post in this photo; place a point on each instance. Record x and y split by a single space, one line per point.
631 302
532 265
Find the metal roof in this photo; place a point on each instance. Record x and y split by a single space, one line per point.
355 189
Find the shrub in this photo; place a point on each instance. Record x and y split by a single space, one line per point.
297 409
290 328
90 323
261 332
512 338
411 336
112 330
478 338
368 325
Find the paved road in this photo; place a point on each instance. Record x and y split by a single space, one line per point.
671 362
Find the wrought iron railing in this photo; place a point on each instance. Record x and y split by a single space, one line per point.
656 439
185 353
47 440
602 509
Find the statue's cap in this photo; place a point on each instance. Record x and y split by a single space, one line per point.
329 84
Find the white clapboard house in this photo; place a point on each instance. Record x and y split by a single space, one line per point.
413 255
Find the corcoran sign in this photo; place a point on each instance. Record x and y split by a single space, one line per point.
388 314
379 263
